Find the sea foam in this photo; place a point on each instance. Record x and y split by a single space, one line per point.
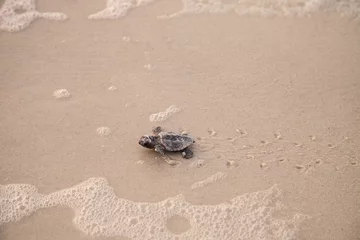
15 15
115 9
99 212
163 116
267 8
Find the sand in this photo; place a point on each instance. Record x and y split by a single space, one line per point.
279 94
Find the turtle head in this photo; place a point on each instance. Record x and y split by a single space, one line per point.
147 141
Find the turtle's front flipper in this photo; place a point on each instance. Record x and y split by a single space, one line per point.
157 130
160 149
187 153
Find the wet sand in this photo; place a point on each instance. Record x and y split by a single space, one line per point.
281 93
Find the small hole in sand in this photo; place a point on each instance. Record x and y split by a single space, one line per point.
178 224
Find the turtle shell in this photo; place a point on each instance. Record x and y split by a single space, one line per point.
175 142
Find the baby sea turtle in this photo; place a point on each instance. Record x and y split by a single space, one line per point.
168 141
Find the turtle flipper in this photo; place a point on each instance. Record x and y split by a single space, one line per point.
160 149
187 153
156 130
182 131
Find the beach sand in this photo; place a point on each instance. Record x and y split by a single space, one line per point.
279 94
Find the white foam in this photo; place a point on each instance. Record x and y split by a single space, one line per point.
213 178
103 131
149 67
295 7
117 8
268 7
61 93
162 116
99 212
112 88
16 15
200 6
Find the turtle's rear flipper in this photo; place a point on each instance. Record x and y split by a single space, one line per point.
182 131
187 153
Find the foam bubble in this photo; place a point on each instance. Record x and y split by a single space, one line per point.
15 15
103 131
61 93
117 8
112 88
162 116
99 212
126 39
149 67
213 178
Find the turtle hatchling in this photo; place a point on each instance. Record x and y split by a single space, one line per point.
163 141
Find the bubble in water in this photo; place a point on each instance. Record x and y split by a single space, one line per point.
112 88
149 67
103 131
61 93
126 39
